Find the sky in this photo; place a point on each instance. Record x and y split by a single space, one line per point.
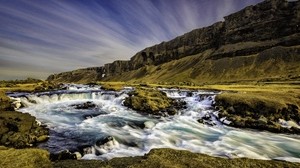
42 37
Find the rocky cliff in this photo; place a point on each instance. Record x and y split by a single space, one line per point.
249 32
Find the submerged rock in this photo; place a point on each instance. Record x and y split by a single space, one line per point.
101 146
85 105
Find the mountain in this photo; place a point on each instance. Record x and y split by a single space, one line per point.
258 43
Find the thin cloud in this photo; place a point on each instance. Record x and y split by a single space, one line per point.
39 37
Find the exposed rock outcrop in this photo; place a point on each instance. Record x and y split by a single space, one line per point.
274 112
20 130
148 100
250 31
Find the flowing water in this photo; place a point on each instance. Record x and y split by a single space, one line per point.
136 134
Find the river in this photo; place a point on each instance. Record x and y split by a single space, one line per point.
135 134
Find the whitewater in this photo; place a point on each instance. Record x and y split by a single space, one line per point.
135 134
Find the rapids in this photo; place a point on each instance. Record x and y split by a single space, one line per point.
136 134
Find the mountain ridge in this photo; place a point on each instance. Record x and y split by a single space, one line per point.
248 32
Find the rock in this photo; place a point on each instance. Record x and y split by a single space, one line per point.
225 121
104 141
42 138
254 110
270 23
103 146
78 155
189 94
20 130
171 111
5 103
173 158
63 155
86 105
149 124
150 101
16 103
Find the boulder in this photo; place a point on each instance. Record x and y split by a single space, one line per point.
63 155
85 105
148 100
20 130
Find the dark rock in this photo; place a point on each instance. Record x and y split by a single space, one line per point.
94 114
206 117
63 155
179 104
189 94
86 105
172 111
104 141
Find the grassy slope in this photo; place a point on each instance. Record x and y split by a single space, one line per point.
279 63
25 158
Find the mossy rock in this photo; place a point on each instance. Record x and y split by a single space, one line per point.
5 102
25 158
148 100
259 110
20 130
46 86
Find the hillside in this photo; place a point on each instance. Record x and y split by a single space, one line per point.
258 43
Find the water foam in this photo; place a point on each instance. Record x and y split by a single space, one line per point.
137 134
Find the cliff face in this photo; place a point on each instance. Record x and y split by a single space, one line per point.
247 32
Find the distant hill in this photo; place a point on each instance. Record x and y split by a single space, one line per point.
258 43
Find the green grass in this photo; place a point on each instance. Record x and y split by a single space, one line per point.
276 64
24 158
260 107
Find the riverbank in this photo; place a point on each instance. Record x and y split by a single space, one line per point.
175 158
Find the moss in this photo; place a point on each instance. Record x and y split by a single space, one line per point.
260 109
20 130
175 158
5 102
148 100
114 86
25 158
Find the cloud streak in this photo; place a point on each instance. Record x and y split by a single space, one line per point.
41 37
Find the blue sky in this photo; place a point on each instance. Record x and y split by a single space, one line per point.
42 37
